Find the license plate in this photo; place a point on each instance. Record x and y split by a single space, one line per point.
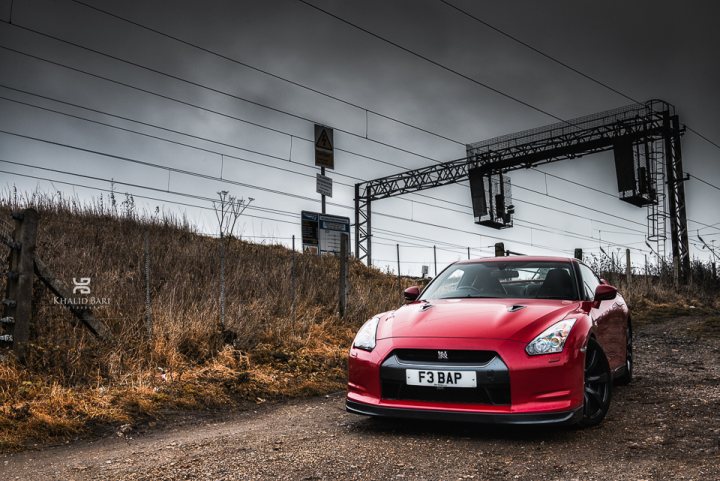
417 377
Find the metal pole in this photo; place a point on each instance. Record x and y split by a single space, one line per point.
368 230
222 282
357 221
148 306
398 265
468 253
435 259
292 283
322 196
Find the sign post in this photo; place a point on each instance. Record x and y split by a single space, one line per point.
324 158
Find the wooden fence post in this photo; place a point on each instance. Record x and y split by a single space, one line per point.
343 284
18 298
24 264
148 301
628 267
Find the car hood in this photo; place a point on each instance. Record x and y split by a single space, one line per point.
475 318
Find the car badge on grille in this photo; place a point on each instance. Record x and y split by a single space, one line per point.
442 355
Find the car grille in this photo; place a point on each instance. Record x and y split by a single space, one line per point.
453 356
493 379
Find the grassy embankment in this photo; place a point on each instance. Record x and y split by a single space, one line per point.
75 384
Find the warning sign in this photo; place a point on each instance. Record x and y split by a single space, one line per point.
323 185
324 147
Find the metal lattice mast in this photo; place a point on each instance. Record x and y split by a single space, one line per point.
653 122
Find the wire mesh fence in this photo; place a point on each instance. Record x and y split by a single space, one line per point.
159 286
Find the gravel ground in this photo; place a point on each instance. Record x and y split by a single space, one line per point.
665 425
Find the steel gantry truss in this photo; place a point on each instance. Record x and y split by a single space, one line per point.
652 129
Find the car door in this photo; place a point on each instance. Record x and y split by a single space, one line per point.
604 317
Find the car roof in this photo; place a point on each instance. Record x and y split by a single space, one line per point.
518 258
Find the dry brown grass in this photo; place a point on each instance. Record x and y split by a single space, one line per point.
658 300
74 383
656 296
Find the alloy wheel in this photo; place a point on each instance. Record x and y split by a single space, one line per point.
597 385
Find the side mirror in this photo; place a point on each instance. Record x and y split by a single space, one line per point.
411 293
605 292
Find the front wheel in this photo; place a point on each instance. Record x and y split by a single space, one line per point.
597 385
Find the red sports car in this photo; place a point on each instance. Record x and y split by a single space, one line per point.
519 340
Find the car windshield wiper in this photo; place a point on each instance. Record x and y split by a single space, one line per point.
470 297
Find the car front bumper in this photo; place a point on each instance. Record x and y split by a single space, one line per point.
542 389
562 417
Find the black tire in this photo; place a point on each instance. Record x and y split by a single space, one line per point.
627 375
597 385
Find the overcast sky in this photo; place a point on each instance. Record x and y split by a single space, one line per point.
309 67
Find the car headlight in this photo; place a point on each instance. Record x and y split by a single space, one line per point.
552 339
365 338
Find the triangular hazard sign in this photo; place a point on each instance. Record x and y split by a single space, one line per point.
323 141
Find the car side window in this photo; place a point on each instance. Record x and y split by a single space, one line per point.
590 281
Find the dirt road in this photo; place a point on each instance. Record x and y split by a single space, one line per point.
666 425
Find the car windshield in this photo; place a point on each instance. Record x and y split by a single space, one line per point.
516 279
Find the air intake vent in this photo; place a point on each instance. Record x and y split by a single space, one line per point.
453 356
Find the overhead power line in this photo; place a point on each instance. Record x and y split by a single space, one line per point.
538 51
208 199
430 240
156 199
434 62
234 117
197 137
199 85
264 71
280 168
564 64
243 120
360 107
200 107
704 181
267 189
449 69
